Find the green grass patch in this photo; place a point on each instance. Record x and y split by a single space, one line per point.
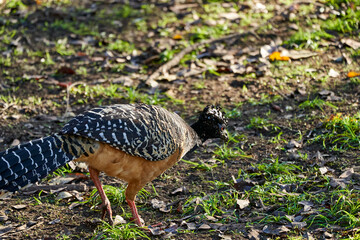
122 46
76 27
214 204
262 123
316 103
308 38
341 132
225 152
121 231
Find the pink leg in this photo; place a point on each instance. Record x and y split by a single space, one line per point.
105 206
134 212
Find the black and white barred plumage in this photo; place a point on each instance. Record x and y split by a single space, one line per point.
141 130
150 132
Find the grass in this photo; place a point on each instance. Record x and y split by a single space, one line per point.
122 231
121 46
210 205
262 123
224 152
340 132
279 184
316 103
308 39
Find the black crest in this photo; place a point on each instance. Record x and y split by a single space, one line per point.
213 113
212 123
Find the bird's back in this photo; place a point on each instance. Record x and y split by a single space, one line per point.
150 132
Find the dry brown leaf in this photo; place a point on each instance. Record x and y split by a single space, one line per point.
351 43
242 203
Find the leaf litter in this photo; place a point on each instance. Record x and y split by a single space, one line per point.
248 77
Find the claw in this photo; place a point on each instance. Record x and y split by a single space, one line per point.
105 206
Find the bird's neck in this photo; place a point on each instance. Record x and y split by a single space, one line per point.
199 129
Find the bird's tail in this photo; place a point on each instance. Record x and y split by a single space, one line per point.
32 161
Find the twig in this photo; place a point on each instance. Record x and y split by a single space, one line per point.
69 187
7 106
175 61
68 88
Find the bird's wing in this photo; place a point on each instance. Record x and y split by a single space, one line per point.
141 130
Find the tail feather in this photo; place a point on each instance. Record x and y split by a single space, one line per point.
20 169
29 162
12 156
31 176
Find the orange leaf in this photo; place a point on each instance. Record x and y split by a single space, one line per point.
276 56
353 74
64 84
177 37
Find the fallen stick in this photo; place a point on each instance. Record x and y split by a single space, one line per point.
69 187
151 81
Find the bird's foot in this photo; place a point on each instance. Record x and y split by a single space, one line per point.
138 221
106 208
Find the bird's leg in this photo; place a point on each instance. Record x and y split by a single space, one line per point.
130 194
134 212
105 206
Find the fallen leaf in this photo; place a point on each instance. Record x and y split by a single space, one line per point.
172 229
275 231
347 58
156 231
299 54
63 195
74 205
61 180
119 220
160 205
15 142
64 84
353 74
293 144
254 234
338 182
307 205
351 43
211 218
19 206
191 226
299 225
65 70
244 185
5 229
277 56
323 170
178 190
347 174
238 68
177 37
276 107
3 217
266 50
204 227
242 203
333 73
55 221
157 203
226 237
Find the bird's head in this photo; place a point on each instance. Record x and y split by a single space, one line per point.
212 123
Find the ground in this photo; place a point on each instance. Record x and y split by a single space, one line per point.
290 169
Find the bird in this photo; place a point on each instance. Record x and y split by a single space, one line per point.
132 142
